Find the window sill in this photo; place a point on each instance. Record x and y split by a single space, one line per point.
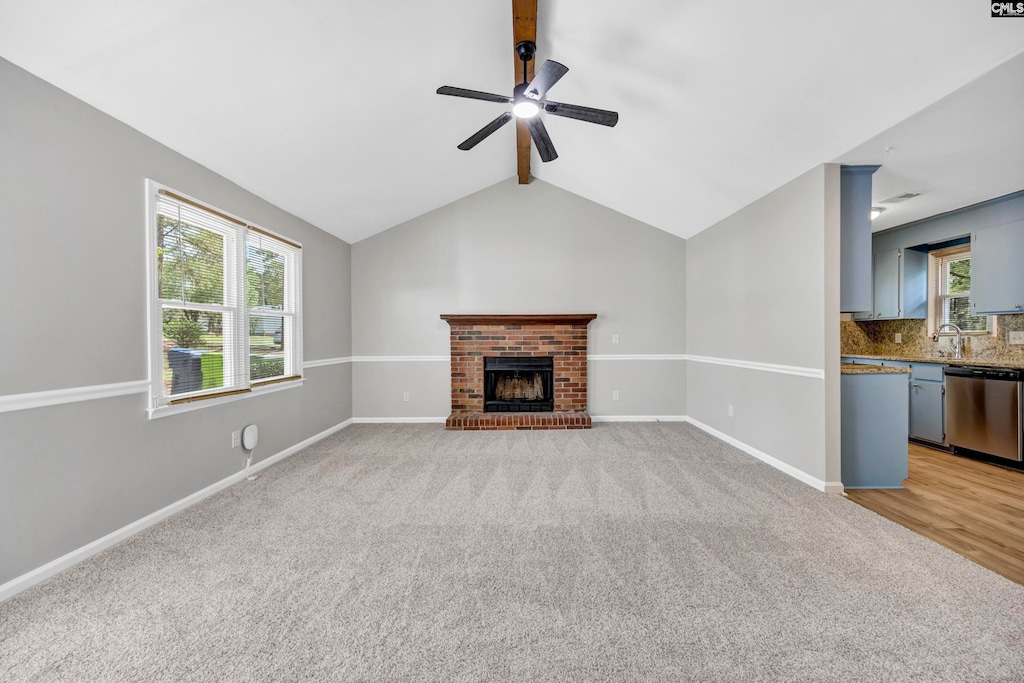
167 411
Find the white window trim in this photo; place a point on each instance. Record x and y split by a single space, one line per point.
154 316
934 298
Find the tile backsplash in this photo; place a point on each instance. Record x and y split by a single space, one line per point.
878 338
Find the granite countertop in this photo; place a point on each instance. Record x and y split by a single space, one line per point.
857 369
985 363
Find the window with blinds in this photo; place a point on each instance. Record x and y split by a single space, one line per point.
226 303
272 274
950 292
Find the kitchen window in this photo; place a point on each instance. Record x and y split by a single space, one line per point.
225 305
949 295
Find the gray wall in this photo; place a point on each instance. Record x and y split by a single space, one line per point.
761 285
72 267
576 257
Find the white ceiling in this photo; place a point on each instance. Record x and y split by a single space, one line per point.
327 108
965 148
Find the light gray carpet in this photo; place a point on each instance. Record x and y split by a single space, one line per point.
632 551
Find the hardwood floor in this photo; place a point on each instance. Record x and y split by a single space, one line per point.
973 508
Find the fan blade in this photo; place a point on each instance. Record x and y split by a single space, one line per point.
475 139
549 74
573 111
472 94
541 138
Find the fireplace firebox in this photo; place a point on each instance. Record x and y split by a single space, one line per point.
518 384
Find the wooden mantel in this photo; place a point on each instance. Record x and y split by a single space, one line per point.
529 319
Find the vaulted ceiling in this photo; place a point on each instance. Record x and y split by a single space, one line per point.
327 107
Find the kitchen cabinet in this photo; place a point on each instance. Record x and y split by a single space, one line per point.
899 280
927 400
997 279
855 237
928 403
874 430
885 282
926 411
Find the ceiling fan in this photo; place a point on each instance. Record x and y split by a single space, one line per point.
528 97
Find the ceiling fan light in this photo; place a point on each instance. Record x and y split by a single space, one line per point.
525 109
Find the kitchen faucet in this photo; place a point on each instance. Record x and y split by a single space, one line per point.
959 338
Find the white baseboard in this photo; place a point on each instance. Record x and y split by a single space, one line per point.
40 574
826 486
399 420
263 464
637 418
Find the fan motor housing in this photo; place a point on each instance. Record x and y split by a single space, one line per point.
526 49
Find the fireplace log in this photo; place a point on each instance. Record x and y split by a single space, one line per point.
517 389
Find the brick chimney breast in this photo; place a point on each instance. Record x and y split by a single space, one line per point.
563 337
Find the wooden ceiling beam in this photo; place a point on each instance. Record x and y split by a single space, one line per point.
524 27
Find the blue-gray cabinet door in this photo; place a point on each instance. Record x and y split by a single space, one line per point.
927 411
914 285
997 279
855 238
886 284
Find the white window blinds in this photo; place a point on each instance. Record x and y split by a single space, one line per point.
273 267
227 305
950 291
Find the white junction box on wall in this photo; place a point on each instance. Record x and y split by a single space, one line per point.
1017 337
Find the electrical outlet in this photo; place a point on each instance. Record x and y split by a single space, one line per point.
405 395
1017 337
236 438
899 337
730 410
615 339
615 395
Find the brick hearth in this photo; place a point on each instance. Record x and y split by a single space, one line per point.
563 337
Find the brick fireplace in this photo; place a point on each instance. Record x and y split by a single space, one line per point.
503 338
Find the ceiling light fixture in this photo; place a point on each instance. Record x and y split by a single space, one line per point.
523 106
876 211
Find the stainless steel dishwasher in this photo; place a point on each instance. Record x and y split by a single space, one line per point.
983 410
